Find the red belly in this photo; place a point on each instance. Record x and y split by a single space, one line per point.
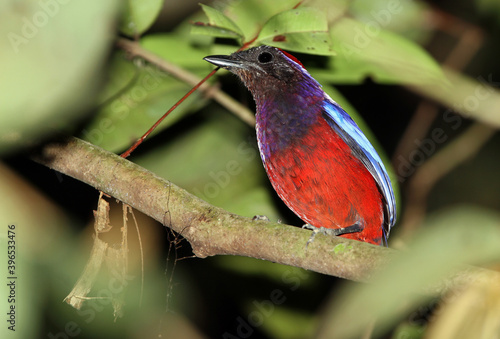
322 182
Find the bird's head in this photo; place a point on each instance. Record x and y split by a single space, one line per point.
263 67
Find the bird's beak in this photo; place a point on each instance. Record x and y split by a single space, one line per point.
224 61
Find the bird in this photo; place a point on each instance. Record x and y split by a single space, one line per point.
316 157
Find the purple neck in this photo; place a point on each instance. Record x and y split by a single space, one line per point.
284 116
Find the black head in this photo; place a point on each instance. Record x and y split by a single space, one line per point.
261 65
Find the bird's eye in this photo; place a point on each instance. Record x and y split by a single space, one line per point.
265 57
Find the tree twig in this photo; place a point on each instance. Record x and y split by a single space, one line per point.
213 231
135 49
209 229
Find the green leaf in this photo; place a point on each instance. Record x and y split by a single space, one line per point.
222 49
405 17
294 21
218 32
475 98
123 74
370 51
410 331
302 30
287 322
449 240
146 94
51 65
219 25
251 15
177 50
139 15
312 43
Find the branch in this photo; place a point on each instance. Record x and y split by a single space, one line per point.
135 49
213 231
209 229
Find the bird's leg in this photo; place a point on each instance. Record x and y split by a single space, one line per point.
332 231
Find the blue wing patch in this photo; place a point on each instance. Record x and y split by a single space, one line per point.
347 129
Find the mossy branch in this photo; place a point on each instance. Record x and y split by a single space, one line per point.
213 231
209 229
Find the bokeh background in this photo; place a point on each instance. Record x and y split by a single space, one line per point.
421 78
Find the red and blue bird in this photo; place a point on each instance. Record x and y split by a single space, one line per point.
318 160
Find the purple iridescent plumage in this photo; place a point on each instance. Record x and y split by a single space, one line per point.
316 157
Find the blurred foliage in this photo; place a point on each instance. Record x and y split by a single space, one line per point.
61 73
52 55
427 263
489 8
134 100
139 15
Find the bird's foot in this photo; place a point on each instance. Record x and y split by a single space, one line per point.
331 231
260 218
309 227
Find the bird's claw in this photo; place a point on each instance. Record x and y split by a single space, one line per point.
310 227
331 231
